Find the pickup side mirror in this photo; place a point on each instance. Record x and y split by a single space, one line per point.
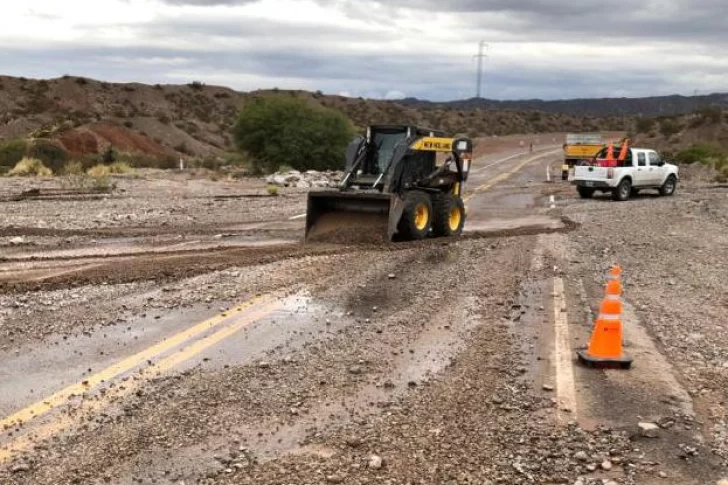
661 163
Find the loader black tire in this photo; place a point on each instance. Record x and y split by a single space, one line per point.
416 220
449 218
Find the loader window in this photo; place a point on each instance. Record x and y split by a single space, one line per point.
416 166
381 156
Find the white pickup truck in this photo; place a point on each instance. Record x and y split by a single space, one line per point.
641 169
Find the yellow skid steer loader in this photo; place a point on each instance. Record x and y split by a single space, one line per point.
400 183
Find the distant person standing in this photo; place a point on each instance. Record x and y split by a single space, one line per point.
109 155
530 147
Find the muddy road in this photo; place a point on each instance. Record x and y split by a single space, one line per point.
179 332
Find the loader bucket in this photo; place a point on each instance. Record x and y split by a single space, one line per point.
345 217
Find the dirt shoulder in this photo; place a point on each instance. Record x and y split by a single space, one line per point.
674 251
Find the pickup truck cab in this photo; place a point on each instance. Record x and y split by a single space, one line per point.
640 169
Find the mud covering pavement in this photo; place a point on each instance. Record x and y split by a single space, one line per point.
428 362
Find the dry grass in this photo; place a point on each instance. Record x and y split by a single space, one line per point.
121 168
106 170
73 168
30 167
99 171
272 189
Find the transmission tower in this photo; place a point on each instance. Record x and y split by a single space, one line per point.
481 55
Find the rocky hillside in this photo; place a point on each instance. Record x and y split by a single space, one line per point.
649 107
675 133
84 116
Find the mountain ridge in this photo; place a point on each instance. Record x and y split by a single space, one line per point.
650 106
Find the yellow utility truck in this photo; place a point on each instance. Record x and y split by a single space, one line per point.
580 146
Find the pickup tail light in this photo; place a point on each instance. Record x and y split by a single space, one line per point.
610 173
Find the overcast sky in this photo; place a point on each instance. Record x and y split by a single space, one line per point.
549 49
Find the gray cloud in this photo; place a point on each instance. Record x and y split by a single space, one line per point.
556 49
209 3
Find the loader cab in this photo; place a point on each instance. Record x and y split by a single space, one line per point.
385 149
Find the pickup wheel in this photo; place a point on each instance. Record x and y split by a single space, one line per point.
668 188
585 192
623 190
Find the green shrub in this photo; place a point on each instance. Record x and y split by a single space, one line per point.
711 114
182 148
196 85
669 127
272 189
276 131
644 125
722 176
30 167
12 152
700 152
53 156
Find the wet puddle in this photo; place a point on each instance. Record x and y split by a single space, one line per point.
496 224
30 373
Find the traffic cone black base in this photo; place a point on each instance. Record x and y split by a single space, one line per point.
621 362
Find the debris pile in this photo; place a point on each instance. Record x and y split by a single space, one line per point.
305 180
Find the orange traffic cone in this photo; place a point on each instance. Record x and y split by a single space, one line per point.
615 273
614 281
605 345
613 288
610 151
623 151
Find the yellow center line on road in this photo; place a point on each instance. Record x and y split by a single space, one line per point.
505 175
511 157
51 402
62 423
